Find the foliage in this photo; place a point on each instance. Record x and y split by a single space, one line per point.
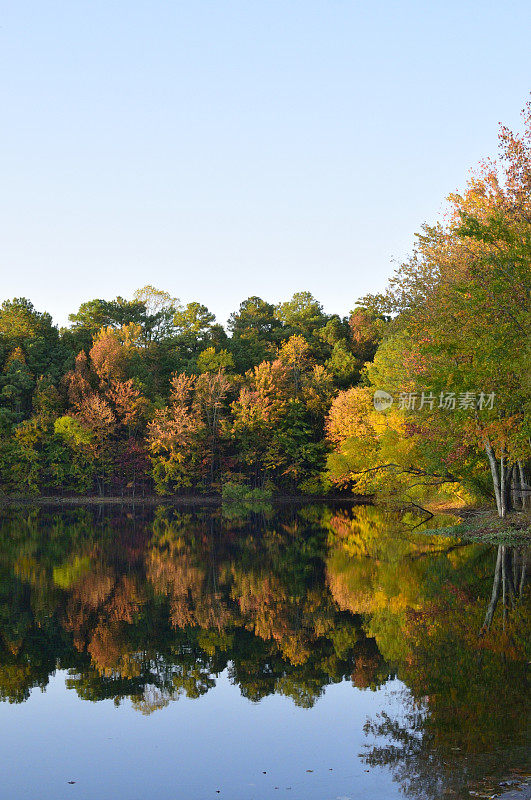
461 322
237 492
148 394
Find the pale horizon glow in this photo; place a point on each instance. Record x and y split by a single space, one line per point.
219 150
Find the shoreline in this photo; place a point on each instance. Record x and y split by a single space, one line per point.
176 500
479 523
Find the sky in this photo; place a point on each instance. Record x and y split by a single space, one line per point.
219 149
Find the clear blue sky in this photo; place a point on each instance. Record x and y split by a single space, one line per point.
224 148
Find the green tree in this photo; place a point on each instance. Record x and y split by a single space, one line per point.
255 331
303 314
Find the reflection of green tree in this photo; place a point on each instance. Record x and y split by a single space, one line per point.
30 641
173 666
476 685
415 763
425 601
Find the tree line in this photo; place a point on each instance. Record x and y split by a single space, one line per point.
147 394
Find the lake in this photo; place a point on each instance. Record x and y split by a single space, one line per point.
308 652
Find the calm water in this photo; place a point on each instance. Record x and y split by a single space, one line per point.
306 653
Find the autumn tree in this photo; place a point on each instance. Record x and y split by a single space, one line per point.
273 422
184 436
461 312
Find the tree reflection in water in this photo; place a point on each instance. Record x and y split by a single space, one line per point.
464 713
154 605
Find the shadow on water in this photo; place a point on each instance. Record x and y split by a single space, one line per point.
155 604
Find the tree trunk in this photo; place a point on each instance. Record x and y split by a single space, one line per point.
503 494
506 487
495 476
525 493
495 593
523 573
509 592
502 479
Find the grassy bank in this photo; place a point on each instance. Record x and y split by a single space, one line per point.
484 525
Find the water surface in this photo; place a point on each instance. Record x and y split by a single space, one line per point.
301 652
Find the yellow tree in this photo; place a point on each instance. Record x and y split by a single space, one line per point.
462 313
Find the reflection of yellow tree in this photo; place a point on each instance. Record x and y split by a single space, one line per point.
467 712
373 570
425 600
